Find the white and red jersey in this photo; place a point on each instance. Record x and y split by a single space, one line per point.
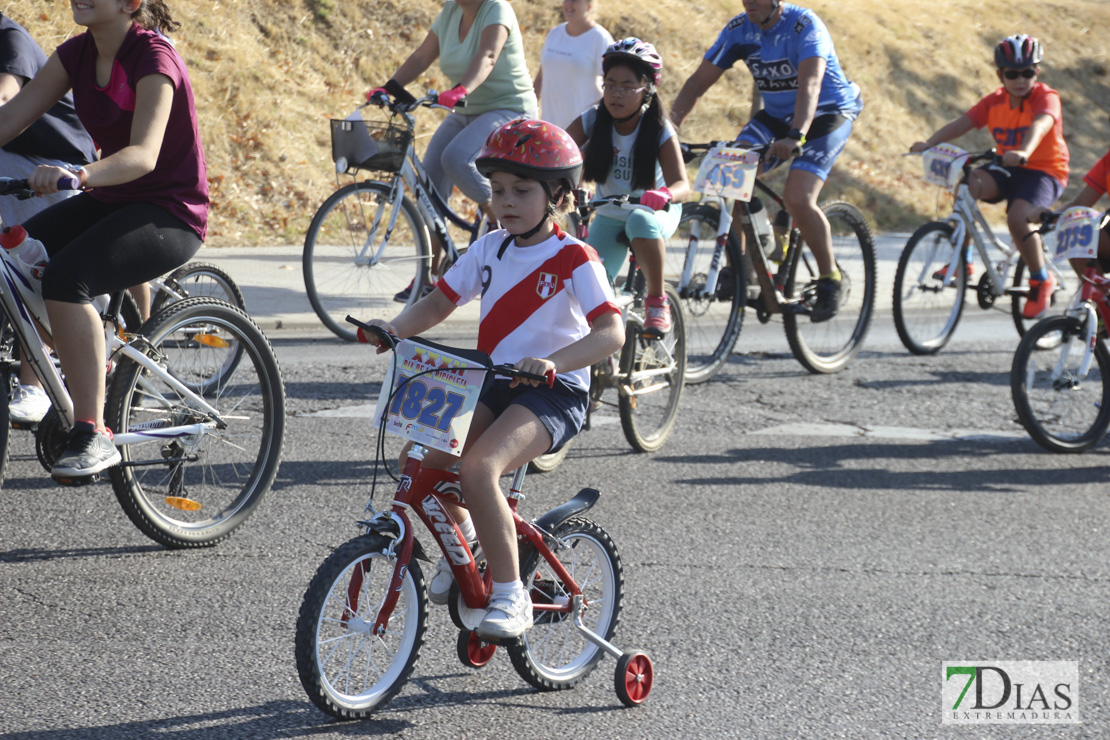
535 300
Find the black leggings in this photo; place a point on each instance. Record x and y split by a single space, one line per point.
97 248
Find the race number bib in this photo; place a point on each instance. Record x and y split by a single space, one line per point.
728 172
429 395
1077 234
944 165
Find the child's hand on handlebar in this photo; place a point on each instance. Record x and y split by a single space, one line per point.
782 149
535 366
656 200
46 179
1037 215
919 146
371 338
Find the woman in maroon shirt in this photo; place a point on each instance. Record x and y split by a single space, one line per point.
145 211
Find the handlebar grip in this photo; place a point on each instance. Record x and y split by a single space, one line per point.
365 330
550 375
69 183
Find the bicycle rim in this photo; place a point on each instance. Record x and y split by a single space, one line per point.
554 654
829 346
194 491
927 307
199 280
352 267
346 671
713 321
1062 410
652 372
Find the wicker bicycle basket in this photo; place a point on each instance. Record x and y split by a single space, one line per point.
369 145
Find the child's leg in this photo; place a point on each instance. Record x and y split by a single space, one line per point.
513 439
648 233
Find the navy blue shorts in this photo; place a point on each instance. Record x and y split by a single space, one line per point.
1035 186
561 409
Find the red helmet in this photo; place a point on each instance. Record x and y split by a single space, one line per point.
639 52
536 150
1017 52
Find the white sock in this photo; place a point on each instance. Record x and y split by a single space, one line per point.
505 589
466 526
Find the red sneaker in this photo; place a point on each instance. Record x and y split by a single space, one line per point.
1040 297
657 310
942 273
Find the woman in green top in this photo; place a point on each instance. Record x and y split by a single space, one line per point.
479 47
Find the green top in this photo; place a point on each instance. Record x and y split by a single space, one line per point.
509 86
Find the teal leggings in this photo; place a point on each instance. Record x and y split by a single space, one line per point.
640 225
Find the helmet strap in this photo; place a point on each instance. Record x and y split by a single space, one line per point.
527 234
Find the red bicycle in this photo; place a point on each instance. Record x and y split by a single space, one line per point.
363 618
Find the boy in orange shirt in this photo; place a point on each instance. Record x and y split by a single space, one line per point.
1025 120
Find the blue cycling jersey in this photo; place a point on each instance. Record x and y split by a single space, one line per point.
773 57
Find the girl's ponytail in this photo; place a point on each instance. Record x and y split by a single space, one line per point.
646 148
154 15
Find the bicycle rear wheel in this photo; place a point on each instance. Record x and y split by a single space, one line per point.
1062 411
354 265
927 308
829 346
652 374
195 490
713 322
199 280
548 461
553 654
347 671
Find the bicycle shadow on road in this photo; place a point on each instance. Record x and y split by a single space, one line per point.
824 467
37 554
272 719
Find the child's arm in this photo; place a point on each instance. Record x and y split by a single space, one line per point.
1041 125
606 337
419 317
674 169
954 129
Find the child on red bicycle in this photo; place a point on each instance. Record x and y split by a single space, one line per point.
631 149
546 305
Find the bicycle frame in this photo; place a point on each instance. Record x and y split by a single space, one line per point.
1091 302
432 207
24 326
968 221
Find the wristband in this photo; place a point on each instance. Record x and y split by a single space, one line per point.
796 133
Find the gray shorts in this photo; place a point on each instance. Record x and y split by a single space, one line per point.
562 409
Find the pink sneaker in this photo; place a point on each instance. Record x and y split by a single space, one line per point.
1040 297
658 315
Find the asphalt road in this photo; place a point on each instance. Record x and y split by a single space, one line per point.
800 559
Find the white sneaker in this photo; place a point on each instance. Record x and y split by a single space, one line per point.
507 618
28 404
440 586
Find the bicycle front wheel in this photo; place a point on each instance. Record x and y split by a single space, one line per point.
1062 409
553 654
713 321
355 265
829 346
927 301
347 670
194 490
652 373
199 280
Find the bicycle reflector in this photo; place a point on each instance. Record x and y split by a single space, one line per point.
183 504
211 340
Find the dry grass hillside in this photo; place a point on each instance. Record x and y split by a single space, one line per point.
269 74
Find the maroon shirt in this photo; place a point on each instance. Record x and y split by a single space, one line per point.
179 181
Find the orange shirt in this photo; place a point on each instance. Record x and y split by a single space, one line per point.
1099 176
1009 125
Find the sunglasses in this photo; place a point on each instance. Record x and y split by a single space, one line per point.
1013 74
621 91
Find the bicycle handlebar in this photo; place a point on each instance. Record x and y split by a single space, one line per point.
22 190
384 337
690 152
397 105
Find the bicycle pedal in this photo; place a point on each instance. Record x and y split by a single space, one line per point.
77 481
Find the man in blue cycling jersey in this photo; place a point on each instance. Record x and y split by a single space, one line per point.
808 103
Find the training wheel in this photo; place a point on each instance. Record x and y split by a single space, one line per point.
633 678
473 651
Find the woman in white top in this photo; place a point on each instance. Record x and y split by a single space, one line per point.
571 56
